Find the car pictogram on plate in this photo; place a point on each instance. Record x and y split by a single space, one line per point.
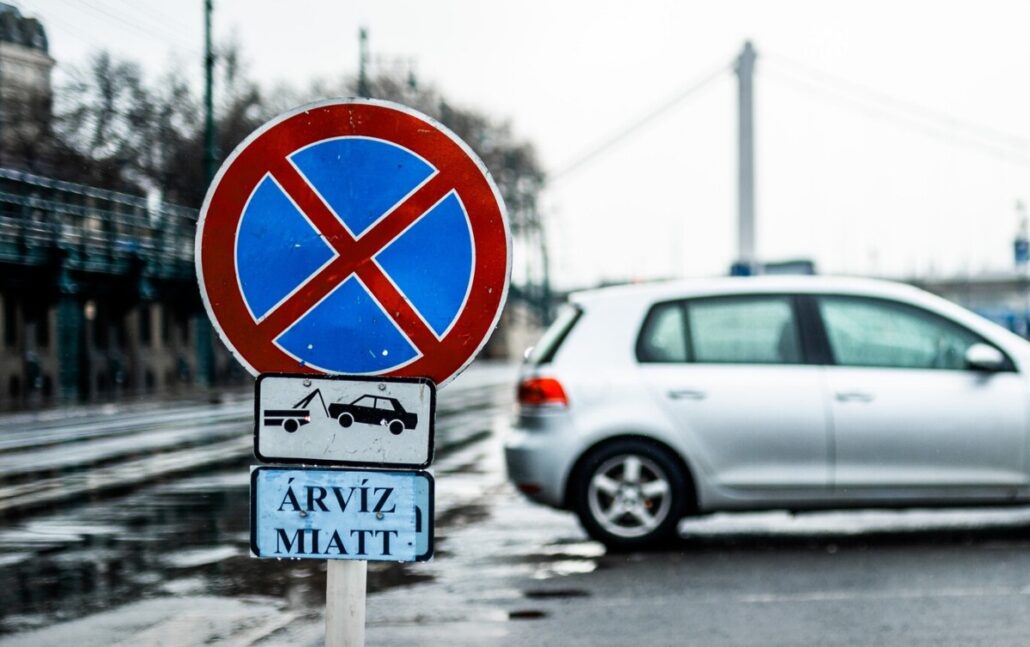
374 410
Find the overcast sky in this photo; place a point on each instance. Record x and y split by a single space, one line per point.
914 168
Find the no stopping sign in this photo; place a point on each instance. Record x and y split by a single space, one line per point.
354 236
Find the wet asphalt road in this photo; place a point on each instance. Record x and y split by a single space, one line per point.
522 575
166 563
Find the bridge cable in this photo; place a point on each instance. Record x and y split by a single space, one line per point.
879 105
626 131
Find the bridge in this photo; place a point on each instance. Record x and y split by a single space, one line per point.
99 299
98 295
87 230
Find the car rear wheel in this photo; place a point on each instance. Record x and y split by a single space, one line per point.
396 427
631 494
345 420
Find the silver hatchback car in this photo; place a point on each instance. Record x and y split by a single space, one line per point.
645 404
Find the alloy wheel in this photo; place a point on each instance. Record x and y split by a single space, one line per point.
629 495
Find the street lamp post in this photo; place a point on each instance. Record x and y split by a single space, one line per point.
210 153
204 338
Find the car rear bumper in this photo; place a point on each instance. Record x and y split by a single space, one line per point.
539 457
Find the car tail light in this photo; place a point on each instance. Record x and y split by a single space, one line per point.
529 488
537 391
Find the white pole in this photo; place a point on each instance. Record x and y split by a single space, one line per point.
746 157
345 603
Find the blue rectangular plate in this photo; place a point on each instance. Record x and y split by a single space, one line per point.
325 513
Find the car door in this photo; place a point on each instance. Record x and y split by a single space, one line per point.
732 375
907 412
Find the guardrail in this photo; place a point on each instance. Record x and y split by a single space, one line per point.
43 220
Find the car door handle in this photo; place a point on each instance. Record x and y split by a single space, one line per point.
854 396
687 394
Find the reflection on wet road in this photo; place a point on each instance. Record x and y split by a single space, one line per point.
168 564
185 532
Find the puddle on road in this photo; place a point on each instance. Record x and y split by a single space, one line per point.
527 614
552 594
201 556
574 548
564 567
387 575
462 515
187 537
560 558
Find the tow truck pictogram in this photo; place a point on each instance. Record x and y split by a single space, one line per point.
293 419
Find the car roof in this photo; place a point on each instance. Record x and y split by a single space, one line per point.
658 291
629 303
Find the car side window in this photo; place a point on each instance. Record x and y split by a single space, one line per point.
880 333
663 338
755 329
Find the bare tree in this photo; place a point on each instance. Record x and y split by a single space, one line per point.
126 133
104 115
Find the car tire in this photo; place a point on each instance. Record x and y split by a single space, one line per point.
396 427
631 495
345 420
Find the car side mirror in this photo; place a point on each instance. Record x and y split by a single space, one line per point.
981 357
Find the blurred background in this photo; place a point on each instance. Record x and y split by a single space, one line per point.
632 142
878 140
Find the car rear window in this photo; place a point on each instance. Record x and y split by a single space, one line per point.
545 349
664 337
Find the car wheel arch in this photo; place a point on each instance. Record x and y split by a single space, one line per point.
577 467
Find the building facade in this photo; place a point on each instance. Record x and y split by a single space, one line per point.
98 296
25 87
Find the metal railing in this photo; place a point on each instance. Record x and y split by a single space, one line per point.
91 229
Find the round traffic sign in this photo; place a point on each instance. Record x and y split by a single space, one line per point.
356 237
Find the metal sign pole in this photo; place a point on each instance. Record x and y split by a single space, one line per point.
345 603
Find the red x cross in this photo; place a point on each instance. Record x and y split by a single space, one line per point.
355 256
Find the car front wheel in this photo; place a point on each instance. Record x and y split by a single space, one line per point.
631 494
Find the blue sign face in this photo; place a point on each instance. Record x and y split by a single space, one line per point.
280 249
308 513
